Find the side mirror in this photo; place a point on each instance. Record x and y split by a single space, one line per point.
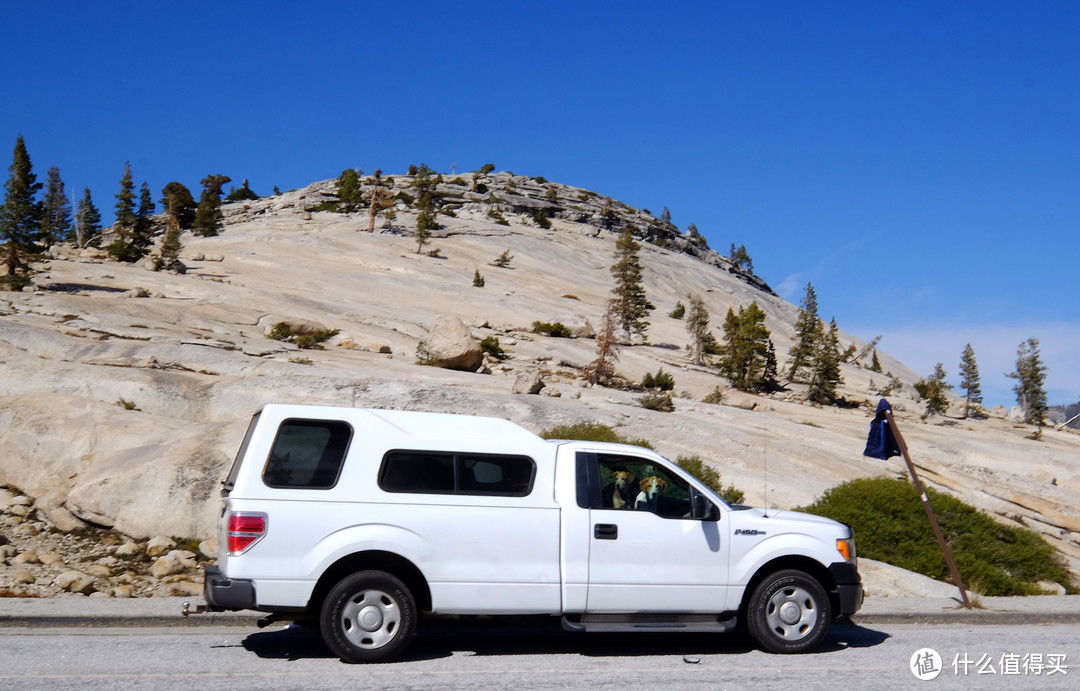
702 509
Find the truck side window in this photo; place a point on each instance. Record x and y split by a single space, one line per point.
451 473
637 484
307 454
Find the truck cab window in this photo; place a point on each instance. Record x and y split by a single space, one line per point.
630 483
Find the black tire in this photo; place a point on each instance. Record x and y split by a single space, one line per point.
369 616
789 612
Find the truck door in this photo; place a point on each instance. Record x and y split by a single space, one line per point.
647 551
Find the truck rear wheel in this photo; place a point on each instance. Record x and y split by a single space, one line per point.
789 612
369 616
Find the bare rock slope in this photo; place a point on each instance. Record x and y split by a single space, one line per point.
125 391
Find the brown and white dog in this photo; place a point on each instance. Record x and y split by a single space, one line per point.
652 488
623 491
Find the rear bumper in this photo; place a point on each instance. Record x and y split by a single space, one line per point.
849 588
224 593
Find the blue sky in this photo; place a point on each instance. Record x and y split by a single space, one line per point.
917 162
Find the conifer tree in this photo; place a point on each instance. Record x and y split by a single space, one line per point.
969 379
607 347
379 198
56 212
350 193
87 222
632 306
702 342
208 218
745 352
178 205
20 219
143 234
933 392
741 259
808 332
241 194
125 246
825 377
1030 376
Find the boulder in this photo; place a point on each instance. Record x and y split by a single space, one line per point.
63 520
159 545
451 346
578 324
75 582
528 383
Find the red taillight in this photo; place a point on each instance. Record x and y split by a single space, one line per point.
244 530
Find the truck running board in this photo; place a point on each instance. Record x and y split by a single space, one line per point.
611 623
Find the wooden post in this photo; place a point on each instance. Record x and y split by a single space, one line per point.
929 510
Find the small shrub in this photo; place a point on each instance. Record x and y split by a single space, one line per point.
503 260
591 431
328 205
660 402
716 396
490 345
308 340
551 193
435 253
711 478
498 217
301 361
125 252
405 198
478 280
661 380
679 312
555 330
541 220
540 179
126 405
423 357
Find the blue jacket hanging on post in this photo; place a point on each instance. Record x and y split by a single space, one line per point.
881 443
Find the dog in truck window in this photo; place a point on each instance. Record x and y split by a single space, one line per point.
652 488
620 493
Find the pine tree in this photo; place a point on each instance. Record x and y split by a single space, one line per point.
208 218
143 235
125 206
741 259
56 214
745 352
178 204
350 193
808 332
875 364
933 392
1030 376
178 207
607 347
243 194
379 198
665 216
969 379
87 222
825 377
20 219
702 342
632 306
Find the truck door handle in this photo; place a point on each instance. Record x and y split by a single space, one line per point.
606 531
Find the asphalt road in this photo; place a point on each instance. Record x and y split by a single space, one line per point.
499 655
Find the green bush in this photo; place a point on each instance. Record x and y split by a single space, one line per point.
591 431
330 206
890 525
658 401
661 380
304 340
490 345
711 478
541 220
716 396
556 329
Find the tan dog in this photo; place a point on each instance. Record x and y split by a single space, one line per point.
623 490
651 489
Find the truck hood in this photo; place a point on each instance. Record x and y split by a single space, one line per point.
773 521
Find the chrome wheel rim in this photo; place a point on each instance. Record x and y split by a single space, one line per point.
370 619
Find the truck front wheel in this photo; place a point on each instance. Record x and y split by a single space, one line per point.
369 616
789 612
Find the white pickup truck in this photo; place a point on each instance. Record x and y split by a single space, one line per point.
359 520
